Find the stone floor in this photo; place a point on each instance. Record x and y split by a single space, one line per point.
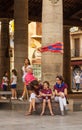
15 120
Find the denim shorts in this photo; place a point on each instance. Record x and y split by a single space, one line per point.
13 86
5 87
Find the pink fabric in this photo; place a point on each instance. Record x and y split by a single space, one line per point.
1 86
29 77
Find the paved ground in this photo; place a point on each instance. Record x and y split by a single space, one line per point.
11 120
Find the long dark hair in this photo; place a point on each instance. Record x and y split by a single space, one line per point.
15 72
5 74
60 77
46 83
28 60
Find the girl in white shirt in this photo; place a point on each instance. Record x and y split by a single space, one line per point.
5 81
4 84
14 84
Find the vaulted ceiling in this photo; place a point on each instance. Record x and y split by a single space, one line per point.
72 10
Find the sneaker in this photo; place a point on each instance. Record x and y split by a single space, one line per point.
62 113
21 99
15 98
12 98
2 97
66 108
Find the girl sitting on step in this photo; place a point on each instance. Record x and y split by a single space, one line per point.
46 94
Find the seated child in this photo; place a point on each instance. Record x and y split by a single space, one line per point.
46 94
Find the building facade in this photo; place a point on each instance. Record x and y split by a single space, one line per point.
76 56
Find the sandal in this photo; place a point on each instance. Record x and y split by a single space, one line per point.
52 114
27 114
42 114
34 112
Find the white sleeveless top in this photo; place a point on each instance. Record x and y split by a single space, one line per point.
24 70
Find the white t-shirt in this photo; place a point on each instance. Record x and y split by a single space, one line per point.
14 81
77 79
25 71
5 81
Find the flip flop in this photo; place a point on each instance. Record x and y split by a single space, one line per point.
42 114
52 114
27 114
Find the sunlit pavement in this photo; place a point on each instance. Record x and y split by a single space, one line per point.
15 120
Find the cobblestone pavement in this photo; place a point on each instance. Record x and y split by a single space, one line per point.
13 120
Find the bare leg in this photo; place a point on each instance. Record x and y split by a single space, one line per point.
30 107
15 93
50 107
30 110
24 91
27 93
33 103
12 90
43 106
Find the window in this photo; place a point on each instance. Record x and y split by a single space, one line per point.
37 70
77 47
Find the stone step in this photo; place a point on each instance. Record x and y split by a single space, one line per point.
16 105
77 105
75 96
13 105
24 105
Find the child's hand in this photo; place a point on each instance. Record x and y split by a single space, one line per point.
52 97
38 96
44 95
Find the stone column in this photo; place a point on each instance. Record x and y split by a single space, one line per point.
67 58
0 54
52 31
4 47
20 35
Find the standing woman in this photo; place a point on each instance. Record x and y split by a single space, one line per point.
24 72
60 89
